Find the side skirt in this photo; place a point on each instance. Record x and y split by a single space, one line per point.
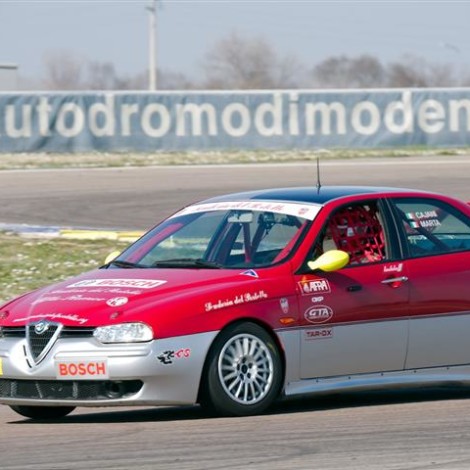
451 375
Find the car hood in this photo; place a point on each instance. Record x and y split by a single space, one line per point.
108 296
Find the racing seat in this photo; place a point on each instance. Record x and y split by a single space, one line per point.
357 231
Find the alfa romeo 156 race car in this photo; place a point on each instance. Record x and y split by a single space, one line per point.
239 300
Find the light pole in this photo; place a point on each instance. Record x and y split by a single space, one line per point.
152 9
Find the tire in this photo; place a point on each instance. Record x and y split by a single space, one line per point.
243 373
43 412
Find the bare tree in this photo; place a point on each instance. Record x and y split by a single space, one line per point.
63 71
239 63
343 72
101 76
413 71
368 72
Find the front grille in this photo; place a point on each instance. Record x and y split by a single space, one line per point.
14 331
41 337
68 390
39 341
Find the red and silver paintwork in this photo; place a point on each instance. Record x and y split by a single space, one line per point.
394 320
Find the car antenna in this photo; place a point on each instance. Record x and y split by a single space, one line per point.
318 174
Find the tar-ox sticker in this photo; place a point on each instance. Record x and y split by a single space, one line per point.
318 333
318 314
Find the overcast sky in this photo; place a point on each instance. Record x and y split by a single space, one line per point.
117 31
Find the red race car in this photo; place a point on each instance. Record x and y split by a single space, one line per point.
238 300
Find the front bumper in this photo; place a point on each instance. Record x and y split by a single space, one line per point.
84 372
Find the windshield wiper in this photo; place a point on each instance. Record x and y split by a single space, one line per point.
186 263
125 265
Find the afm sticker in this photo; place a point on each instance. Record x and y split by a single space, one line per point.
82 370
314 286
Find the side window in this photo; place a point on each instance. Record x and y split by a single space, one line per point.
432 227
356 229
262 240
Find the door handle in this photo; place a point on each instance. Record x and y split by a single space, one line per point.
393 280
354 288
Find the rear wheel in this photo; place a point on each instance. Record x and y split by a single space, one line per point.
243 374
43 412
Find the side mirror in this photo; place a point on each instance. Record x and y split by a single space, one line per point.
330 261
111 257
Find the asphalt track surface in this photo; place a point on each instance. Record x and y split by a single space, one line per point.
137 198
394 430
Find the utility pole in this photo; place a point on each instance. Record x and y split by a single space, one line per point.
152 9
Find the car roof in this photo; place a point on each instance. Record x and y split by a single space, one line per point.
310 194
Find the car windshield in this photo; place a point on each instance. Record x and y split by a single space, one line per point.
216 238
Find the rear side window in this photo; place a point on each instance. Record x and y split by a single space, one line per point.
432 227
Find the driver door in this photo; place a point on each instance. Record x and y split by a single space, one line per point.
354 320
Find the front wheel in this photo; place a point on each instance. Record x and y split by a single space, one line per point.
243 374
43 412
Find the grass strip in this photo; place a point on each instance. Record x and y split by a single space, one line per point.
9 161
29 263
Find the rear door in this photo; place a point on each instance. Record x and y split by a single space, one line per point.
437 238
354 320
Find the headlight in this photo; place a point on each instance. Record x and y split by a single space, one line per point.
124 333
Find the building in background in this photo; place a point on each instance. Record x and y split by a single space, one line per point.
8 77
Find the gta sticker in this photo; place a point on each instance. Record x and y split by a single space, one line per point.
318 314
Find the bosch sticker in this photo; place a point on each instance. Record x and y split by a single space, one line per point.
318 333
318 314
136 283
314 286
95 369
